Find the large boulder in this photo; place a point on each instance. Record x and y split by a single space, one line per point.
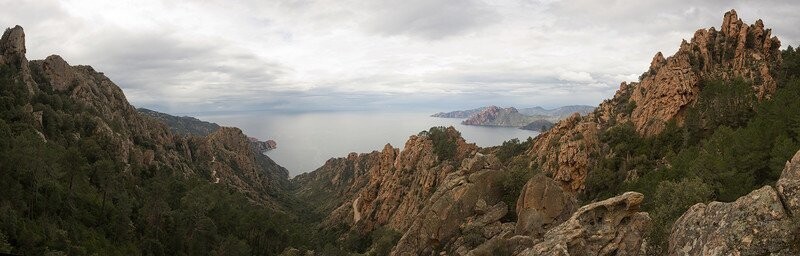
542 205
459 206
759 223
614 226
755 224
788 185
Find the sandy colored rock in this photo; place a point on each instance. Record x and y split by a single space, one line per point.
671 84
453 205
788 185
610 227
542 205
755 224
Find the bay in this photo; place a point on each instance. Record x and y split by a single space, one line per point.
306 140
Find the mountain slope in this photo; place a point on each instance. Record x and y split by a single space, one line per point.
84 173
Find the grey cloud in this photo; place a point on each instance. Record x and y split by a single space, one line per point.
429 19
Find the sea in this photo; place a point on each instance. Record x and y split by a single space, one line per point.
306 140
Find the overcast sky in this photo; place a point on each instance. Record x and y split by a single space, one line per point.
297 55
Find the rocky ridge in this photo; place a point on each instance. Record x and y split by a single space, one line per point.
664 91
135 140
387 188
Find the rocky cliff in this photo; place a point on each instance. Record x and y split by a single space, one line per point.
671 84
387 188
664 92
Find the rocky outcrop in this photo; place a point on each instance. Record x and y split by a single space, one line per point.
788 186
614 226
12 55
496 116
387 188
457 214
542 205
564 152
672 84
610 227
759 223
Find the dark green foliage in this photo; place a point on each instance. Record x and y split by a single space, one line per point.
444 141
512 187
720 104
183 125
512 148
63 191
670 201
383 239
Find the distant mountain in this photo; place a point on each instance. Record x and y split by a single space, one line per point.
459 113
497 116
184 125
561 112
512 117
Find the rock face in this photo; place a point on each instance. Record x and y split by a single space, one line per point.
460 207
12 55
669 86
759 223
565 151
495 116
788 186
610 227
542 205
387 188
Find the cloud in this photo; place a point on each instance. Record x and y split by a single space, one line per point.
428 19
579 77
300 55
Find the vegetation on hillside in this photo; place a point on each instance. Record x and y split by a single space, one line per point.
729 144
66 192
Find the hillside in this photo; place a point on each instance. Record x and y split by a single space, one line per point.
737 95
84 173
689 160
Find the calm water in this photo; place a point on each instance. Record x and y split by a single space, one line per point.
307 140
